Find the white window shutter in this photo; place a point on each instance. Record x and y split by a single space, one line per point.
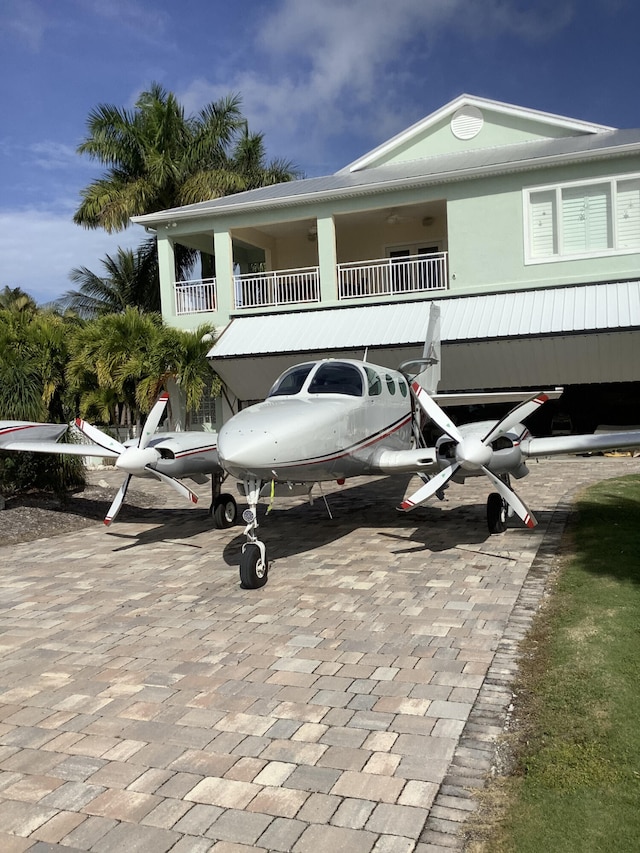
542 218
628 214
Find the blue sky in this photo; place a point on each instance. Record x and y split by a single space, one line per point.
325 80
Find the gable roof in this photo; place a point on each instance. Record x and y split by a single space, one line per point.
463 102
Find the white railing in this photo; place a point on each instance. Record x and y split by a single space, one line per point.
388 276
382 277
194 297
280 287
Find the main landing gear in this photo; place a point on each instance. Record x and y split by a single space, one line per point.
223 506
498 510
254 566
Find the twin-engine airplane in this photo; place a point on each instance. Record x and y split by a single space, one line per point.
322 421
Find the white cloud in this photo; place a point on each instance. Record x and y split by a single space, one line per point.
320 69
38 250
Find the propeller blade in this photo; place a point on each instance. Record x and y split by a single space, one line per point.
179 487
433 410
98 437
153 420
518 505
430 488
116 505
517 414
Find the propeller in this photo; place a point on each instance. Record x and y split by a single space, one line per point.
473 453
137 460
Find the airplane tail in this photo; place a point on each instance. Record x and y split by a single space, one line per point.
426 370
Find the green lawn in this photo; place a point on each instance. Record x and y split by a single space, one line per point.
576 787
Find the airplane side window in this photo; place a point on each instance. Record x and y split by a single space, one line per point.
291 381
337 378
375 384
403 387
391 385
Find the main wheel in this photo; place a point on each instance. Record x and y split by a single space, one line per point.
496 513
253 569
225 511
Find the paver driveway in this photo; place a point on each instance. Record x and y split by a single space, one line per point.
148 703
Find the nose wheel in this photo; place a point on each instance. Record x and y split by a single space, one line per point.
254 565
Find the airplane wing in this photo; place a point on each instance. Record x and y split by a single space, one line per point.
475 398
594 443
59 447
44 438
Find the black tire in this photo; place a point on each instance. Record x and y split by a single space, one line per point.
496 513
253 572
225 511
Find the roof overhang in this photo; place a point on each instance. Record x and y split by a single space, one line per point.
382 180
561 335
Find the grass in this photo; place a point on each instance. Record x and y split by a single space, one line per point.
576 782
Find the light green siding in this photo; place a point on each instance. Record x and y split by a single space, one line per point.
497 130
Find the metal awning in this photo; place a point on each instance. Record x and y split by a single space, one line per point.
560 335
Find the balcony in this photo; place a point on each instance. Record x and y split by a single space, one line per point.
360 279
196 296
281 287
391 276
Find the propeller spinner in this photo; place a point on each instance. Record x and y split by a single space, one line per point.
473 453
137 460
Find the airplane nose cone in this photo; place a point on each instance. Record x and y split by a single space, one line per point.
473 454
134 459
246 450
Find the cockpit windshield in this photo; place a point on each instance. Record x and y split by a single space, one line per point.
291 381
336 377
331 377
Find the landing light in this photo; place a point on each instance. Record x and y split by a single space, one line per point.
248 516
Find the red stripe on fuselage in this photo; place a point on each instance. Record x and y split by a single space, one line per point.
368 442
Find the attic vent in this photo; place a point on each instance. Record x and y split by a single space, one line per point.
466 122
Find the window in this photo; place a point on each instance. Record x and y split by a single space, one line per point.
391 385
336 377
374 382
582 220
206 414
291 381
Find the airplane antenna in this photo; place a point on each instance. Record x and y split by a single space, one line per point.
366 353
326 502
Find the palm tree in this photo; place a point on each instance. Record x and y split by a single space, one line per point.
15 299
181 358
131 280
157 158
113 354
34 351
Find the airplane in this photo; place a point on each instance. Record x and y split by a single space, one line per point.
328 420
166 456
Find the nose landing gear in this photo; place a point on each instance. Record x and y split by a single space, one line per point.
254 566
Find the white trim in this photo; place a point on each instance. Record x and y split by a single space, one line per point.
481 104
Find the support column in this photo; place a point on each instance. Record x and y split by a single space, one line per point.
327 259
167 273
223 251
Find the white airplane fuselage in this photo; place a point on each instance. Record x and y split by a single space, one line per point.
318 434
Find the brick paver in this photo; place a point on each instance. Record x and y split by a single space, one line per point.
149 703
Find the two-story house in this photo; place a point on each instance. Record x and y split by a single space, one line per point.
525 226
